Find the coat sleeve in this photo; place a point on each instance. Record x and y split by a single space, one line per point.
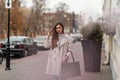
70 43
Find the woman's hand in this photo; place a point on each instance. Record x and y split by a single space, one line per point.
65 59
49 34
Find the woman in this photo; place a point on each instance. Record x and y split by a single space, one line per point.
59 45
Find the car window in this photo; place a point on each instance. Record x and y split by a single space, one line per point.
31 41
42 38
26 40
14 40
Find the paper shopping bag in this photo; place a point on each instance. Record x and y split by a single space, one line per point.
70 69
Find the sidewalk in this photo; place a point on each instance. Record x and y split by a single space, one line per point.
33 68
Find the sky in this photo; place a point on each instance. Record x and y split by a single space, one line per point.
91 8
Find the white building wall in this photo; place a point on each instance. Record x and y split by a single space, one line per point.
113 10
106 8
115 6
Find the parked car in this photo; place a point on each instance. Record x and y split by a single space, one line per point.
1 56
40 40
20 46
1 41
76 37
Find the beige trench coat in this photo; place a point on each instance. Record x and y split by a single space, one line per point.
55 57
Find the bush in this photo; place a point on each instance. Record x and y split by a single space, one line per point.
92 32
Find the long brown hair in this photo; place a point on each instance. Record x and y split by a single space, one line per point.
55 35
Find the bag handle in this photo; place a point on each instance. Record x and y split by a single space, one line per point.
71 55
70 52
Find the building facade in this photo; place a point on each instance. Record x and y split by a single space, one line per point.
111 14
107 8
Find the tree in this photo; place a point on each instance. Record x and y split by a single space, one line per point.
61 10
62 7
35 20
17 22
3 19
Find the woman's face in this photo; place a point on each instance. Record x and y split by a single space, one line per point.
59 29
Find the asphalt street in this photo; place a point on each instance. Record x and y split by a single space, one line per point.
33 68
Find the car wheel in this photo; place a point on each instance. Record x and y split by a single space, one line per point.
24 54
1 59
36 51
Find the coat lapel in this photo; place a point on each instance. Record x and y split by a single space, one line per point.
63 42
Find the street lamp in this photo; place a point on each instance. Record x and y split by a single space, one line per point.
8 5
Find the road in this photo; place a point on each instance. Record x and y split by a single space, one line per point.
33 68
15 59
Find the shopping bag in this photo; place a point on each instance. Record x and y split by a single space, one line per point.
71 69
